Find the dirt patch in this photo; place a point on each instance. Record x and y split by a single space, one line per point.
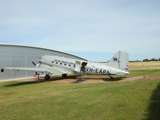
78 81
89 80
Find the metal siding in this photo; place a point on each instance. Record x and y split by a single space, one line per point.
22 56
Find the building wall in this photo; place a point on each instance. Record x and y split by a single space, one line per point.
22 56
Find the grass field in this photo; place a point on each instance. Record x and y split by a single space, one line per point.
144 65
112 100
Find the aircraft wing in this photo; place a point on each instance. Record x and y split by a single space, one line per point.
55 70
27 69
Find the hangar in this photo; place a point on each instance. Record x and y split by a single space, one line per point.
22 56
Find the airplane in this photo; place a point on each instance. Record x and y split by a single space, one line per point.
51 66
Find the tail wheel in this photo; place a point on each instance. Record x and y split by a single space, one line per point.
47 77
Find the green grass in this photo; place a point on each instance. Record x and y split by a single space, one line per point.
153 72
108 101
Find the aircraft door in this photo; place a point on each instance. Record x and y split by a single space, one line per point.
83 66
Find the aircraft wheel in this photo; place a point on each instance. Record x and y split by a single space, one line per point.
47 77
64 75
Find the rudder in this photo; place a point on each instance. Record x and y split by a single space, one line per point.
119 60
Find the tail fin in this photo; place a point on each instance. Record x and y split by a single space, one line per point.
119 60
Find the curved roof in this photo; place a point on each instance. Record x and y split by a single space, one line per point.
43 49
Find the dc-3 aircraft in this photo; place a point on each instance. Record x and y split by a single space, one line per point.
51 66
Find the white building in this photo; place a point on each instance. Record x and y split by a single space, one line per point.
22 56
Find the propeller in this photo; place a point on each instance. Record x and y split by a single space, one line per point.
33 63
36 64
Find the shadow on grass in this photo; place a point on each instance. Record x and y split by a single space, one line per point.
79 80
154 105
113 79
99 77
23 83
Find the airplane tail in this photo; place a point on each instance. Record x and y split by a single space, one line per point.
119 60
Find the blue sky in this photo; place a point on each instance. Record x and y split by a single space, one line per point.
93 29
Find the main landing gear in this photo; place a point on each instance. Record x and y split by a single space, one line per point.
47 77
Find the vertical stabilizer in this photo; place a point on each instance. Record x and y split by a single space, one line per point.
119 60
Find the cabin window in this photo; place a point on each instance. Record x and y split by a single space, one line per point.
69 65
60 63
52 61
65 64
